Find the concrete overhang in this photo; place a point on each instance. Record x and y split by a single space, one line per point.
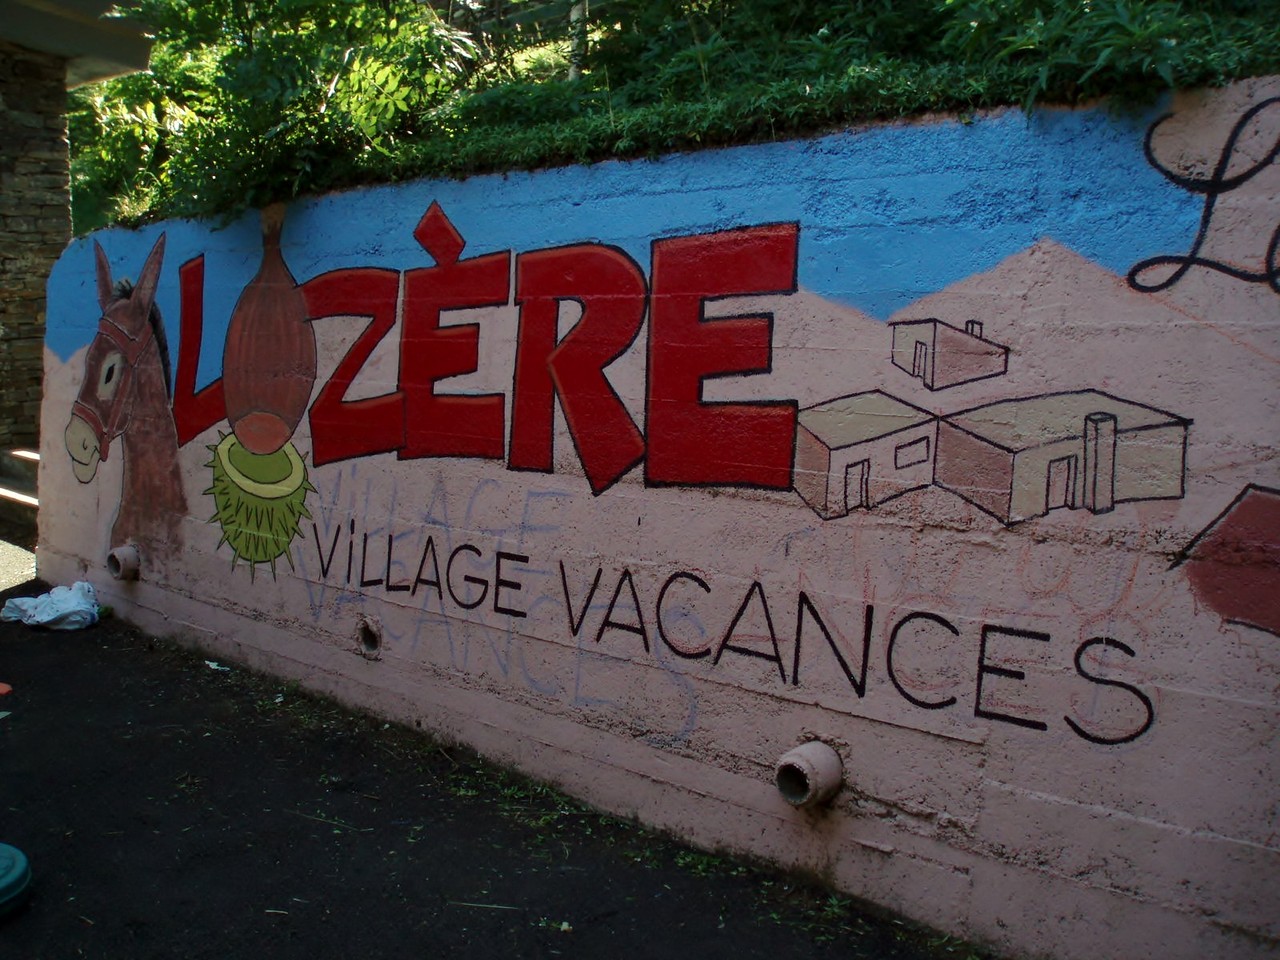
96 47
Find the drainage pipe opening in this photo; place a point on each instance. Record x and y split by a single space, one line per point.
793 783
809 775
123 562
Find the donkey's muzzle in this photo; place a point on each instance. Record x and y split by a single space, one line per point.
83 447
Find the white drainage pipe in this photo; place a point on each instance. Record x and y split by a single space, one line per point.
123 562
809 775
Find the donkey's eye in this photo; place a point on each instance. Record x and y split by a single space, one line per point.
108 379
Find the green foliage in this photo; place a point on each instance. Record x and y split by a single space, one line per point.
762 112
249 102
1069 51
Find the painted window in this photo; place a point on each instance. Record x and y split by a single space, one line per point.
909 454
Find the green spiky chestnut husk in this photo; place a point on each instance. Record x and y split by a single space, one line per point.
259 500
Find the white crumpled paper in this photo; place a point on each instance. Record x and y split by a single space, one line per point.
62 608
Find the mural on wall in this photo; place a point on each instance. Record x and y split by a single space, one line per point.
125 396
260 481
952 444
575 360
1015 459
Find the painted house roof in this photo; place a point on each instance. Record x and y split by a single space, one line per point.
932 323
859 417
1028 422
1234 562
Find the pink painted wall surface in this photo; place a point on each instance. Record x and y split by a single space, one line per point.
514 460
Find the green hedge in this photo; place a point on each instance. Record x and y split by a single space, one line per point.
303 96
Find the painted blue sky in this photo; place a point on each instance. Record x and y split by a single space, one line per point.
887 215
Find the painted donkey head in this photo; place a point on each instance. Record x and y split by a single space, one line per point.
128 346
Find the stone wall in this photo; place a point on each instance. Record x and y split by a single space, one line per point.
950 444
35 225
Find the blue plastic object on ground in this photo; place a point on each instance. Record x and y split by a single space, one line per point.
15 877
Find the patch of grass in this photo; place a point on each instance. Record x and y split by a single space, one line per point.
189 784
709 864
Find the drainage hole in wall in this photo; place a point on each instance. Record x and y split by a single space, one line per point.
113 565
370 638
793 783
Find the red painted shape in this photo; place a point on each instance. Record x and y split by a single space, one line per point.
193 412
450 425
340 428
437 235
610 288
269 358
1234 563
692 441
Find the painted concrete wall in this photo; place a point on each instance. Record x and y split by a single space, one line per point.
514 459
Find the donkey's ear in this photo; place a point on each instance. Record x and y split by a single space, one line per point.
105 293
144 290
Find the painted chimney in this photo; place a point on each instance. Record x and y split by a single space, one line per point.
973 328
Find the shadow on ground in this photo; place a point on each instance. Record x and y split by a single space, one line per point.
175 809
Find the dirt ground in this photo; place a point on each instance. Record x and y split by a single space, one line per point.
171 809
